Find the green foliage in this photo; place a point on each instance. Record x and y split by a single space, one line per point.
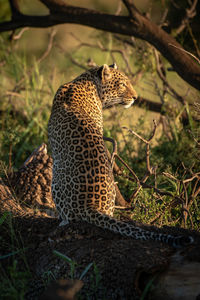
180 149
94 277
13 282
73 265
176 161
148 287
24 107
70 261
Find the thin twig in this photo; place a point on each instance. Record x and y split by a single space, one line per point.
162 75
185 205
49 46
149 169
114 152
189 14
127 166
147 142
100 46
44 55
136 134
197 175
119 8
15 37
196 192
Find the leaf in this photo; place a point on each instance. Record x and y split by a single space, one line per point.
86 270
2 219
64 257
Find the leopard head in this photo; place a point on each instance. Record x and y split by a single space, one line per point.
115 87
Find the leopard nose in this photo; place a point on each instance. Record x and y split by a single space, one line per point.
134 97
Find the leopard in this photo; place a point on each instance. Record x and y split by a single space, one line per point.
83 185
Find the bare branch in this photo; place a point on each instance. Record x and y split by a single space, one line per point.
162 76
197 175
136 134
131 8
119 8
114 152
76 63
185 205
150 170
153 132
130 170
14 5
19 85
189 14
141 138
15 37
49 47
196 192
101 47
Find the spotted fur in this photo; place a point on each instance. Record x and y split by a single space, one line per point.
83 186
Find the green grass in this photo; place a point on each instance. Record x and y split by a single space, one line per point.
14 270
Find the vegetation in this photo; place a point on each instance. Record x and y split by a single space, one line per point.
15 273
163 184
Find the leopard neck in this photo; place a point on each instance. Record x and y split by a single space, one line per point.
84 98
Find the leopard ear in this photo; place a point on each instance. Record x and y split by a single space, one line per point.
106 74
114 66
99 72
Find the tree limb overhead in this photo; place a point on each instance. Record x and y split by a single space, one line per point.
135 24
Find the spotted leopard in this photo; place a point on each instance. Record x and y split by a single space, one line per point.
83 186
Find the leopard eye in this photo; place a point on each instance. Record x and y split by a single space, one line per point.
122 84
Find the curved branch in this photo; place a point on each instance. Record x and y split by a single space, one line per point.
133 25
